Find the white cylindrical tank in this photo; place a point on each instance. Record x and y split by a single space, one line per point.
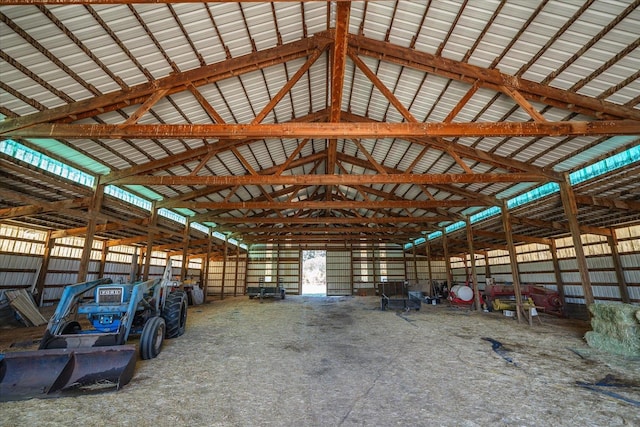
463 292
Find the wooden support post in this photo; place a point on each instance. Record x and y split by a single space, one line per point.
415 263
429 270
49 243
299 271
617 265
151 236
373 262
487 266
235 279
571 212
466 268
472 257
170 264
207 263
133 268
557 271
224 267
277 261
184 271
513 260
247 269
103 259
141 253
94 210
351 268
404 264
447 260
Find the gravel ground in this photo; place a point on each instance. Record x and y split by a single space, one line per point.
331 361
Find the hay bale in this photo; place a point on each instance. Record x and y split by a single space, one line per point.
616 328
612 345
625 331
615 312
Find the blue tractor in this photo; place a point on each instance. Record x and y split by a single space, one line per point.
84 346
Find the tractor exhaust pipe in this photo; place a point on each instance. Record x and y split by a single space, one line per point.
57 372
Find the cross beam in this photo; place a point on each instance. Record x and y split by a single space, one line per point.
325 130
323 179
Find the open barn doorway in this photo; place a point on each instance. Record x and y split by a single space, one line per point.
314 272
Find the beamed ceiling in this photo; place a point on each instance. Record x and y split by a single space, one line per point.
317 123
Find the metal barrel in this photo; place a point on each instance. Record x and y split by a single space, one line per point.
57 372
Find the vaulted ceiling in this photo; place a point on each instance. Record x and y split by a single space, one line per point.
315 122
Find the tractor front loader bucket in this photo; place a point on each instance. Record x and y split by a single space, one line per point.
58 372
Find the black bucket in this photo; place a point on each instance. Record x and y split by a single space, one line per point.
57 372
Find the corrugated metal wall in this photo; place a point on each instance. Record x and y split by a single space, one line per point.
274 264
363 276
235 274
289 270
20 270
347 270
535 266
339 275
391 265
367 269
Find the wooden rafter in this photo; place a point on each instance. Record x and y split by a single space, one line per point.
559 226
516 237
189 155
381 87
632 205
35 207
370 158
145 107
490 79
176 82
288 85
213 114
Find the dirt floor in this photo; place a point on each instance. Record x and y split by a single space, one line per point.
319 361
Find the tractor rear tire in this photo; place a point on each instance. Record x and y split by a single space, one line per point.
152 338
175 314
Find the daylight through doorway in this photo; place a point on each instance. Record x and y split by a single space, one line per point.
314 272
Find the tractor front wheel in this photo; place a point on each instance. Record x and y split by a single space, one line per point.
175 313
152 338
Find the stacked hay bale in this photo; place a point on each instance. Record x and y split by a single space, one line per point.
616 328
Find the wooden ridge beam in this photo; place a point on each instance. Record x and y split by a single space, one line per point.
324 130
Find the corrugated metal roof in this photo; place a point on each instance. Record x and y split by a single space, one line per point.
58 55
